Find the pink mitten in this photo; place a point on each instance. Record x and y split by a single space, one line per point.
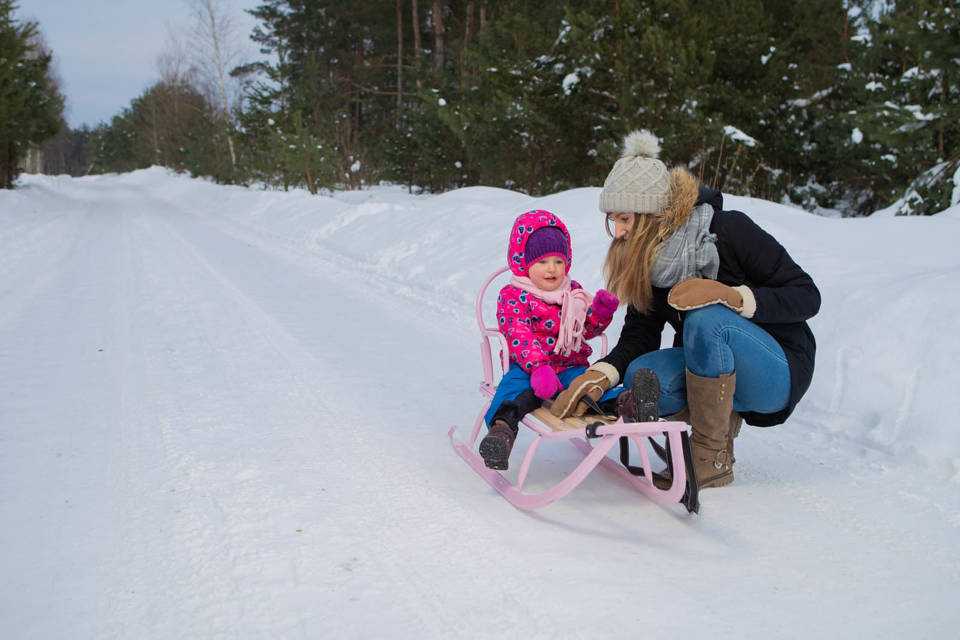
545 382
605 303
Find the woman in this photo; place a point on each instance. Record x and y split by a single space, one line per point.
737 301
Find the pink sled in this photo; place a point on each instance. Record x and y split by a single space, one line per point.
591 435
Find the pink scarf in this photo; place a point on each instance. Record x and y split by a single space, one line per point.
573 311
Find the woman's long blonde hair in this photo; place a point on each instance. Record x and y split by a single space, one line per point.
628 267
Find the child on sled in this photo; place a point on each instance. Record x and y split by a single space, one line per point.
546 318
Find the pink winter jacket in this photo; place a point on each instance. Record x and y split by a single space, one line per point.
531 325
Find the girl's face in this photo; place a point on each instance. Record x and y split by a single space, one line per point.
547 274
622 223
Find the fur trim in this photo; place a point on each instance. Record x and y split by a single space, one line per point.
641 143
608 370
684 191
749 300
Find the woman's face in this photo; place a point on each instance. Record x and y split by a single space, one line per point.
620 224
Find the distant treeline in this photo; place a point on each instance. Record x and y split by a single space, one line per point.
849 105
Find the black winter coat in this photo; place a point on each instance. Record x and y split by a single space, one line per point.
786 298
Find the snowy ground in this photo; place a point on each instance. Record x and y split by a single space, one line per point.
223 413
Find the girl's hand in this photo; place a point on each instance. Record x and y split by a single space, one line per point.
545 382
605 303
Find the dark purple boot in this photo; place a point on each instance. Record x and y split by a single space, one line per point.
496 446
641 402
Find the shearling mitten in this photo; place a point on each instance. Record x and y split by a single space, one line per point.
545 382
695 293
591 383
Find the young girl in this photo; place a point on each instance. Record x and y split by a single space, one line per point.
546 318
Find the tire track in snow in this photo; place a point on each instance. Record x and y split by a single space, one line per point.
58 420
164 518
26 259
410 582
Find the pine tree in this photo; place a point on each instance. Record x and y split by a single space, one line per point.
510 117
30 105
170 125
334 75
916 51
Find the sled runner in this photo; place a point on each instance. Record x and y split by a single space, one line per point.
593 435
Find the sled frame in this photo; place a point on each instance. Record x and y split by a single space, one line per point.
594 439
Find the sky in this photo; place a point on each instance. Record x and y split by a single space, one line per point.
105 51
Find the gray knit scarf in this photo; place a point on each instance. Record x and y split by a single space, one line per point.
689 252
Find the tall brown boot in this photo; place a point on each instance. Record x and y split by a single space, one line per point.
663 479
735 423
710 401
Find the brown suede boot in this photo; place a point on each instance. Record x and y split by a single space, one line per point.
664 479
735 423
710 401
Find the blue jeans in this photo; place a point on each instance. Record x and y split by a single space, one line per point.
718 341
515 381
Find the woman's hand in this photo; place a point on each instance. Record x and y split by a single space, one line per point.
591 384
694 293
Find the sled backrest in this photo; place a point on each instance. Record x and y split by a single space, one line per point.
491 334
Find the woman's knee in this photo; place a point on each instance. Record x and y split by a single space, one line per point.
706 321
704 340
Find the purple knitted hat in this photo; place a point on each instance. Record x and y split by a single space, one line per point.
544 242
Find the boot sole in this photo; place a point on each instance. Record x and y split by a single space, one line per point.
493 454
720 481
665 480
646 393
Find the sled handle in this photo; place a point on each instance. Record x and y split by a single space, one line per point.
486 354
482 292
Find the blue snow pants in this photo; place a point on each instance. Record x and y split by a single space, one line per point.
515 381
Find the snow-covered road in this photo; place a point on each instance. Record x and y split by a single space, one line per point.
206 431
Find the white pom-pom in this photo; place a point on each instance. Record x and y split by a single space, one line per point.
641 143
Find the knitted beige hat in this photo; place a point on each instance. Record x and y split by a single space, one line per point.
638 182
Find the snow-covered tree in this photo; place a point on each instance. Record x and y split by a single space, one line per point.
31 107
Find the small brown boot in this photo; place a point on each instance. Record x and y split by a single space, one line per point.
640 403
710 401
496 446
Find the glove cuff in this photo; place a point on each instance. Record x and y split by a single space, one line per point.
749 301
608 370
